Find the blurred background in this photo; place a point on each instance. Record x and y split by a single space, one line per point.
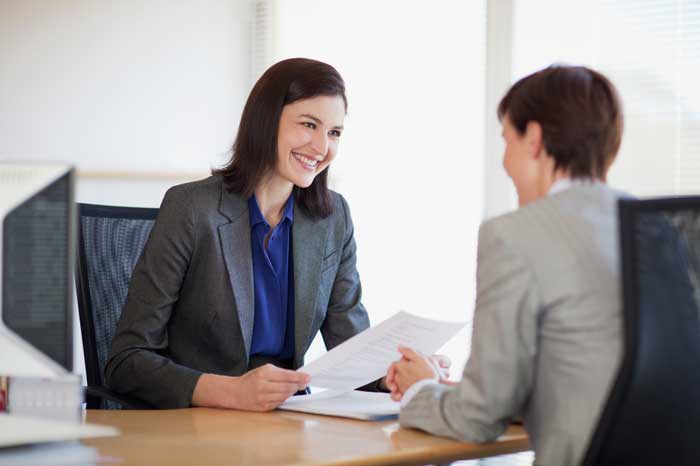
141 95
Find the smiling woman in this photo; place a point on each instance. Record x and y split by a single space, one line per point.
244 268
308 138
297 104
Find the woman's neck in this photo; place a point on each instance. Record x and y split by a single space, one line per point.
272 195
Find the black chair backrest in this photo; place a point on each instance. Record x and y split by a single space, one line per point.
110 241
652 416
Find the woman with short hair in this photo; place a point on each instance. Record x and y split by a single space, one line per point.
547 335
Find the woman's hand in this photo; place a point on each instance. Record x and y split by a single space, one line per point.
412 367
262 389
265 388
443 364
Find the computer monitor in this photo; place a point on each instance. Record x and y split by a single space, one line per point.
37 237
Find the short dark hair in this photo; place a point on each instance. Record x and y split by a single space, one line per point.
580 113
254 152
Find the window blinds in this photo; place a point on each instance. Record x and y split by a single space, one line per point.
650 49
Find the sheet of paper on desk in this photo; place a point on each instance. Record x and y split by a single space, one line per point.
367 356
368 406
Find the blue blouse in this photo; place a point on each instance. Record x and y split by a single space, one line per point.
273 278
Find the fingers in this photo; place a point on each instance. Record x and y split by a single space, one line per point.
266 387
441 364
281 388
276 374
273 394
409 353
276 398
442 361
390 379
268 403
390 374
399 386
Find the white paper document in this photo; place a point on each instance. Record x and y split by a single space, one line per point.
367 356
368 406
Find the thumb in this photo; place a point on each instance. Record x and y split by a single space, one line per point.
408 353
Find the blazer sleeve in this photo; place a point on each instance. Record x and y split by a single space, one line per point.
345 315
136 365
498 377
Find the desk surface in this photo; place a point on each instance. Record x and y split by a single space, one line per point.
219 437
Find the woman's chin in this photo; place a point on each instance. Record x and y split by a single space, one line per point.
306 179
303 184
303 181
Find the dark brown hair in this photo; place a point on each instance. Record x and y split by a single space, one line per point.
254 153
580 113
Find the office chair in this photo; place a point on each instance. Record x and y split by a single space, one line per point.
110 241
652 415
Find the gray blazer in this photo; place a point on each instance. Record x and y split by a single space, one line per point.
547 336
190 305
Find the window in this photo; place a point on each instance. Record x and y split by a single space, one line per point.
650 49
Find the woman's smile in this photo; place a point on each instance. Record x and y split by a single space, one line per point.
306 162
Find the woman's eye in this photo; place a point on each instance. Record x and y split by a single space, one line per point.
308 124
334 132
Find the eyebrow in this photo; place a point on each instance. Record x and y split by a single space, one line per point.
317 120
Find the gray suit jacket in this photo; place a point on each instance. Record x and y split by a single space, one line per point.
190 305
547 336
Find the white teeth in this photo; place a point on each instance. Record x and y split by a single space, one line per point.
305 160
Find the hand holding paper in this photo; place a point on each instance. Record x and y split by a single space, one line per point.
365 358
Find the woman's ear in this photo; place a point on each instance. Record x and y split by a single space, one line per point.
533 139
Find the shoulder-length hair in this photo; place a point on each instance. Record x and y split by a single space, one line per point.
254 152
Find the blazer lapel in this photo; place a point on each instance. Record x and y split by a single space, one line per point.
235 243
308 245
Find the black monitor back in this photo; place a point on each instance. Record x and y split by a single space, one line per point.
38 237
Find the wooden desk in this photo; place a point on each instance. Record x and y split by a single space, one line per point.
203 437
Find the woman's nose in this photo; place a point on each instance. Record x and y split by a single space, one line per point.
320 143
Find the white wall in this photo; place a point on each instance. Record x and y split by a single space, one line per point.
139 95
123 85
411 156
